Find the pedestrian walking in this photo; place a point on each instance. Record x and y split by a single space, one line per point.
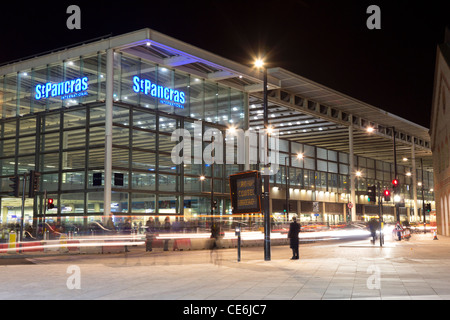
110 225
149 234
215 233
373 227
166 229
294 229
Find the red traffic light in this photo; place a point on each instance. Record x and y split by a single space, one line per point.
387 195
50 204
395 182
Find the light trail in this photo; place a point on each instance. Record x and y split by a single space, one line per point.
139 239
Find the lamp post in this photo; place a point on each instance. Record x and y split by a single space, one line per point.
286 173
203 178
397 204
259 63
423 200
212 183
380 214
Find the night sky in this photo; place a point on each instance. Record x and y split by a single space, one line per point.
323 40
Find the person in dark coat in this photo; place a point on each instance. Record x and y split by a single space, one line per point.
127 228
166 229
373 227
294 229
215 234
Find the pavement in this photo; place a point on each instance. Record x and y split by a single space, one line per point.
351 270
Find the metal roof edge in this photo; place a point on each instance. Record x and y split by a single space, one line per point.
363 104
130 39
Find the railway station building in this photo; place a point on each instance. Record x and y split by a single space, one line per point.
96 120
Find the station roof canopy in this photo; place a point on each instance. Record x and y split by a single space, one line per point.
311 113
302 110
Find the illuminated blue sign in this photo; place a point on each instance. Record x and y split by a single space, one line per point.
67 89
168 96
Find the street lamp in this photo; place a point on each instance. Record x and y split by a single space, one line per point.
259 64
231 130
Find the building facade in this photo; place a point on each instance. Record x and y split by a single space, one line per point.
97 122
440 134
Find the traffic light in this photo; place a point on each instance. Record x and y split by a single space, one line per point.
284 208
50 204
372 194
387 195
34 183
14 186
428 207
395 184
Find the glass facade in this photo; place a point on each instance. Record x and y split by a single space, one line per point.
63 138
329 171
53 122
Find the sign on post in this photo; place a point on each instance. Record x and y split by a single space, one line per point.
315 207
245 189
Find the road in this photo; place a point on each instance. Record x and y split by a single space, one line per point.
417 269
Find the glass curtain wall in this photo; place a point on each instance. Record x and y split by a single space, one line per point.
328 171
53 121
63 138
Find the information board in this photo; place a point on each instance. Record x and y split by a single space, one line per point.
245 189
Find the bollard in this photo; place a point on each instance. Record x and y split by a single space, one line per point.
63 243
12 242
238 234
435 235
